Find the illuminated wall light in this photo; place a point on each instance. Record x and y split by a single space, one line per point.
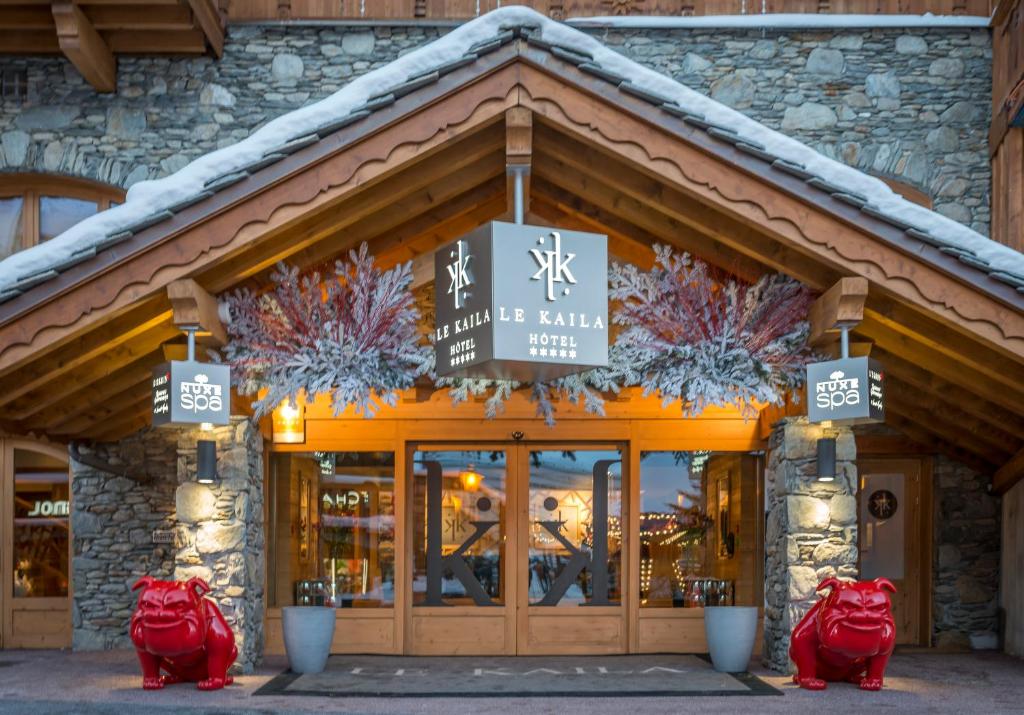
471 480
206 461
289 423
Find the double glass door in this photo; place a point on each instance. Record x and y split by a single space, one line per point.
517 549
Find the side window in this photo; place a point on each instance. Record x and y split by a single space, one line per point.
36 208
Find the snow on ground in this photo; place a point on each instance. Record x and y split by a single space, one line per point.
149 197
781 20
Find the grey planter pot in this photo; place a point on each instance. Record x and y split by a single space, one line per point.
308 631
730 631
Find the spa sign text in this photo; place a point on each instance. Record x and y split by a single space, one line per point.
521 302
846 390
190 393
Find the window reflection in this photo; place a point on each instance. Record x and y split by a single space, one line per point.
575 519
334 529
468 520
41 508
59 213
697 523
10 225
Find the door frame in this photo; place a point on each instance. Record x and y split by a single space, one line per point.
516 611
8 603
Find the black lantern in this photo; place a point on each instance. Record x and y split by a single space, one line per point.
206 461
827 459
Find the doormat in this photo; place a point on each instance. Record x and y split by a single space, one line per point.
520 677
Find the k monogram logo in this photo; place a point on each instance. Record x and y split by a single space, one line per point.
460 279
553 267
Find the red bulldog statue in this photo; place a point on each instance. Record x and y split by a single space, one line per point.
175 629
847 636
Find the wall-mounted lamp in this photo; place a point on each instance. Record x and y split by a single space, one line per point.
827 459
206 461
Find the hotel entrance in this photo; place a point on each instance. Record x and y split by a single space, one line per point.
517 549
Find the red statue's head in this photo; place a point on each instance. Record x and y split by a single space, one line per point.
170 619
855 619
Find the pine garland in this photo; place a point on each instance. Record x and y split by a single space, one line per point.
353 335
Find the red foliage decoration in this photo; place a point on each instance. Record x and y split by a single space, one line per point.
353 336
694 334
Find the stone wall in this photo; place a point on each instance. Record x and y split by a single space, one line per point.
811 531
218 531
965 608
911 105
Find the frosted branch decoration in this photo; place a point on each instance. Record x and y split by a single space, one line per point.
694 335
352 335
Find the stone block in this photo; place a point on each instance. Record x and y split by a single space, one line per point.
194 502
734 89
911 45
360 43
215 538
15 147
843 509
184 573
809 115
47 118
882 84
807 514
827 62
835 554
803 580
125 122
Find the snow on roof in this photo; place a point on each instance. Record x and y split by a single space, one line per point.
780 20
150 202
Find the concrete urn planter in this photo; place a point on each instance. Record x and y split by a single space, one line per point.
308 631
730 633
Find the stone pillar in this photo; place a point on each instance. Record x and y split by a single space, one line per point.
220 530
811 531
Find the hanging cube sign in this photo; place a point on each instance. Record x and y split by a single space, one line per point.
189 393
519 302
849 390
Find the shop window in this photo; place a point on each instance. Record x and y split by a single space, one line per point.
332 529
698 529
41 518
36 208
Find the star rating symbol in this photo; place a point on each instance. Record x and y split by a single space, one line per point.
543 352
572 354
561 353
533 352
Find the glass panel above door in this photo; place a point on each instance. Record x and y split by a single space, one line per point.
41 509
575 529
459 512
59 213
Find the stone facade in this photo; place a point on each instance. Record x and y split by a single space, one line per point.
965 567
909 105
218 531
811 530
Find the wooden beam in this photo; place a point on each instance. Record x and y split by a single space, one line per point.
22 18
111 409
947 433
192 306
82 44
211 23
518 154
840 306
914 431
1009 474
162 42
29 42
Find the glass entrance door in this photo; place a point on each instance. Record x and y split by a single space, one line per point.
516 549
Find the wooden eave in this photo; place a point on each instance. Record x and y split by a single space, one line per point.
602 158
90 33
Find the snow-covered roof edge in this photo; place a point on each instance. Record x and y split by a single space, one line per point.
151 202
781 20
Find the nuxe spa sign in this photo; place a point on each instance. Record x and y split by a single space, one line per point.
189 393
521 302
846 390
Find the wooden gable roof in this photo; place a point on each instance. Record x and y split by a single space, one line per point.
424 161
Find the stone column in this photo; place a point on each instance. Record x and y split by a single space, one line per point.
220 530
811 531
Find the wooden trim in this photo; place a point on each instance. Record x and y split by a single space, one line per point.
840 306
1007 476
194 307
82 44
210 22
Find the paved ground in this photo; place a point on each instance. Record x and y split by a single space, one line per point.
45 682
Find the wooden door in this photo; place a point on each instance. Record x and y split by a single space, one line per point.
516 549
891 537
35 578
571 551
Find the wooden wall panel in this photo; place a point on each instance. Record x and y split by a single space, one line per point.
1008 190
